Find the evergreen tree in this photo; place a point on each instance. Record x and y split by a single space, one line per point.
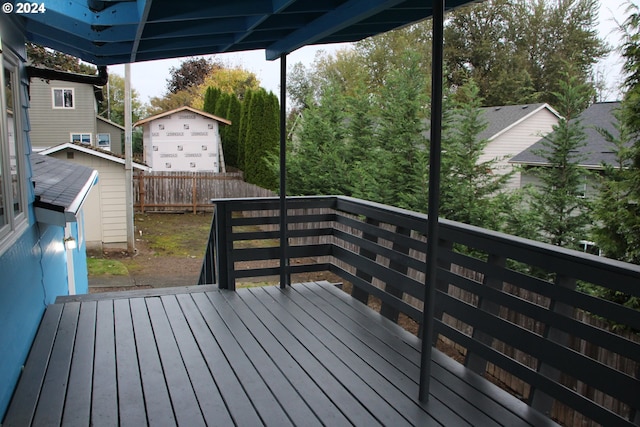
211 99
391 174
242 129
618 230
230 143
316 161
617 208
470 192
562 212
262 138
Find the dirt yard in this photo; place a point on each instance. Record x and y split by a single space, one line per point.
169 252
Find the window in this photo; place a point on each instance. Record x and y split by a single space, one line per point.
581 189
84 138
62 98
104 141
13 197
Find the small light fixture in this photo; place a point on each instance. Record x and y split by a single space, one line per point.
70 243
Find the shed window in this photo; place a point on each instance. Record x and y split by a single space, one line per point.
63 98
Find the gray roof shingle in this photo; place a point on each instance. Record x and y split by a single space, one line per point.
597 150
500 118
58 184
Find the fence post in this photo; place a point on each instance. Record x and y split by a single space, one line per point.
141 184
224 241
474 362
441 286
194 193
386 310
357 293
539 399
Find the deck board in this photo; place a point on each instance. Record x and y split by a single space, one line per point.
306 355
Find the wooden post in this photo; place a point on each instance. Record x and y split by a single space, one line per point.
194 195
357 293
386 310
141 192
539 399
473 361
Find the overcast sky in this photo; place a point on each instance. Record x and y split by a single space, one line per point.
149 78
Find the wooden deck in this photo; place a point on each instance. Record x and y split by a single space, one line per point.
307 355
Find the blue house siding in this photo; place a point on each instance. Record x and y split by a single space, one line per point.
33 269
80 272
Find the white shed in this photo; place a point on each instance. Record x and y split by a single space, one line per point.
105 209
183 140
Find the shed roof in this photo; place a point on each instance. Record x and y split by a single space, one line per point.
60 188
109 122
176 110
501 119
93 151
106 32
597 150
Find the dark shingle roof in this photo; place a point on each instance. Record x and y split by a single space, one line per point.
500 118
597 150
59 184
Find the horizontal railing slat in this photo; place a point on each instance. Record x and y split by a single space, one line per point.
609 380
502 287
579 329
555 389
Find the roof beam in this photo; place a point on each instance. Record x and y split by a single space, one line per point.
345 15
144 6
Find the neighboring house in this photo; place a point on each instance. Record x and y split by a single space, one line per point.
63 111
183 140
109 136
596 152
106 210
510 130
34 264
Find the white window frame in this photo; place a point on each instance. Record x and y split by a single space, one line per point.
82 134
104 147
17 222
63 107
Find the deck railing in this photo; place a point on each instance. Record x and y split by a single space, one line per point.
519 311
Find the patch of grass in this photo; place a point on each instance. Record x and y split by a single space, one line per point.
102 267
175 234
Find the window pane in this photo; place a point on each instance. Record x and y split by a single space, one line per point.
104 141
57 98
68 98
13 139
4 218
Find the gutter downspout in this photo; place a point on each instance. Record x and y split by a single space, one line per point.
434 199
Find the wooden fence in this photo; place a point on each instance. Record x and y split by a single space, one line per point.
189 191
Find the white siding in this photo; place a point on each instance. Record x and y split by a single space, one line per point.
182 142
516 140
106 218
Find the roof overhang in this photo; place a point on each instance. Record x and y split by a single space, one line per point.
93 151
61 188
107 32
177 110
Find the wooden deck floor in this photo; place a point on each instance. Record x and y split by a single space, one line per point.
308 355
